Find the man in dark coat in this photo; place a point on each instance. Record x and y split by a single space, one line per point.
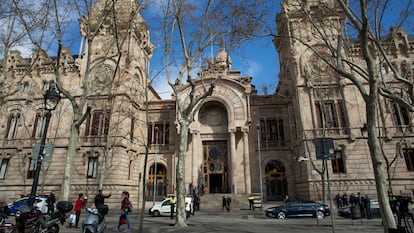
361 203
368 207
100 199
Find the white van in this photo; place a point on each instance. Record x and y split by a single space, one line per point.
164 208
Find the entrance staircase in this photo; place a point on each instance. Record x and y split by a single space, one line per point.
213 201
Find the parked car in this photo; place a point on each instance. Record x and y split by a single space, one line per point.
164 208
24 203
299 209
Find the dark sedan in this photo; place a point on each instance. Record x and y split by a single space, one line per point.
299 209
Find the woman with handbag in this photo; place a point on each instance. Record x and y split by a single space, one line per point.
79 204
125 209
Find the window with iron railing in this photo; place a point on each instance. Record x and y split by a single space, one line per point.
162 134
97 124
272 132
330 115
330 111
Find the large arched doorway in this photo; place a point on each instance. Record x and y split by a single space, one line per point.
161 183
213 121
276 182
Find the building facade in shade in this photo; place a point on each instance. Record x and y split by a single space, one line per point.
231 128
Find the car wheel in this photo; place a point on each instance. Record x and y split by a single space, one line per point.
320 215
281 215
156 213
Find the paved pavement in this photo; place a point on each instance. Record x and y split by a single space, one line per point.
243 221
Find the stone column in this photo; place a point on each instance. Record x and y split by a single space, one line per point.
246 161
233 160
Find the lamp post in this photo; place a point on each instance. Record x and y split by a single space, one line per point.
260 166
155 166
51 100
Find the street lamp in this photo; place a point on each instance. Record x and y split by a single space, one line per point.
155 166
51 98
260 166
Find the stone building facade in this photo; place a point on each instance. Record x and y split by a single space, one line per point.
232 128
327 105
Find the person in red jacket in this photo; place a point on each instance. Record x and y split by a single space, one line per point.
79 204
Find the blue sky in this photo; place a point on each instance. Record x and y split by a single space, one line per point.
256 58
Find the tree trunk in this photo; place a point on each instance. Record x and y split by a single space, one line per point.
373 143
66 182
180 176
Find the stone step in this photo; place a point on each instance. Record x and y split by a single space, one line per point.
213 201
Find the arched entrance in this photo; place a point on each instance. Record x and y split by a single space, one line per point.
276 182
215 177
161 184
213 121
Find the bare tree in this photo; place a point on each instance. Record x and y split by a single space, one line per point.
348 37
189 29
100 67
12 37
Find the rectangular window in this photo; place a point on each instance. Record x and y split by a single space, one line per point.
326 114
338 164
130 170
271 131
330 111
24 87
97 123
38 126
3 168
47 85
12 124
131 135
409 158
400 115
93 167
163 133
32 168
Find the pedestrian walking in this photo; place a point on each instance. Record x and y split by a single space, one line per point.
79 204
125 209
196 202
223 204
172 206
251 202
228 202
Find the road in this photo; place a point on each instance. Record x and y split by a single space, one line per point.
242 222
